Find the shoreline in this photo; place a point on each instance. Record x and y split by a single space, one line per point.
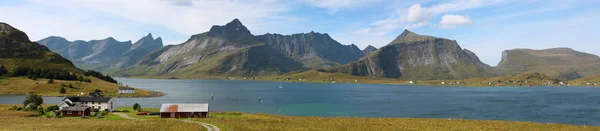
154 95
361 81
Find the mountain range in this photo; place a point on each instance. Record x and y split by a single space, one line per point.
232 50
102 55
16 50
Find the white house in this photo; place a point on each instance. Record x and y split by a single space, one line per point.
100 103
126 90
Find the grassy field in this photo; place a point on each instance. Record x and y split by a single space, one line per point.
265 122
22 85
16 120
260 122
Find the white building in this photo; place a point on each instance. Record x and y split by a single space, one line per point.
126 90
100 103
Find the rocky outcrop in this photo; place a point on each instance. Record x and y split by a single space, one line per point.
413 56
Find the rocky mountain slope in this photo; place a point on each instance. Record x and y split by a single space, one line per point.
102 54
368 50
561 63
418 57
232 50
16 50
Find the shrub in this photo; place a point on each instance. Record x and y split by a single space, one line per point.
62 90
95 110
51 108
137 107
51 81
20 108
35 99
71 86
13 108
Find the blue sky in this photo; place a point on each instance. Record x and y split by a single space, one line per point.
486 27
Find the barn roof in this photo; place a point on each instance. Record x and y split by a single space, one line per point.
75 108
88 99
184 107
126 88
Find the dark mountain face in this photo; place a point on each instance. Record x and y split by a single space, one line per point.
562 63
140 49
16 50
413 56
368 50
232 50
103 54
315 50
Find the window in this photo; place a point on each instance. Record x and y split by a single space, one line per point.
79 112
68 112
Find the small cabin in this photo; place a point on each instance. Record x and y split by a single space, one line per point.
184 110
76 111
126 90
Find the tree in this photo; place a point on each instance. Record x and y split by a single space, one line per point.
3 70
88 80
137 107
34 99
62 90
51 81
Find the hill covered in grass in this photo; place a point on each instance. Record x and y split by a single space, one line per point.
560 63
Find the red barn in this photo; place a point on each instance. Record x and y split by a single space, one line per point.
184 111
81 111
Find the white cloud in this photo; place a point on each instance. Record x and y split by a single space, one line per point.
417 14
335 5
125 19
452 21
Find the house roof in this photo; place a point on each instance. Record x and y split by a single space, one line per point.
184 107
126 88
75 108
88 99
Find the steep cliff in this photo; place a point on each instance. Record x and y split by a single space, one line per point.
562 63
413 56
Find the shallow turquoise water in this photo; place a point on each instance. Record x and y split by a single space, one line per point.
571 105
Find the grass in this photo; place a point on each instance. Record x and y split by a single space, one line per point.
264 122
260 122
15 120
22 85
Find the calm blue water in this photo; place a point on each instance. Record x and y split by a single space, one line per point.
571 105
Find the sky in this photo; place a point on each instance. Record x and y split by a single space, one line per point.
486 27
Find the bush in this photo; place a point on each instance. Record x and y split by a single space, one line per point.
50 81
62 90
35 99
20 108
95 110
71 86
51 108
137 107
13 108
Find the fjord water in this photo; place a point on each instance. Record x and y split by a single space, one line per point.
571 105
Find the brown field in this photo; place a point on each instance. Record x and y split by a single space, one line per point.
22 86
265 122
16 120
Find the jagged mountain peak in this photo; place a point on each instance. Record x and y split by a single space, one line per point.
232 30
409 36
